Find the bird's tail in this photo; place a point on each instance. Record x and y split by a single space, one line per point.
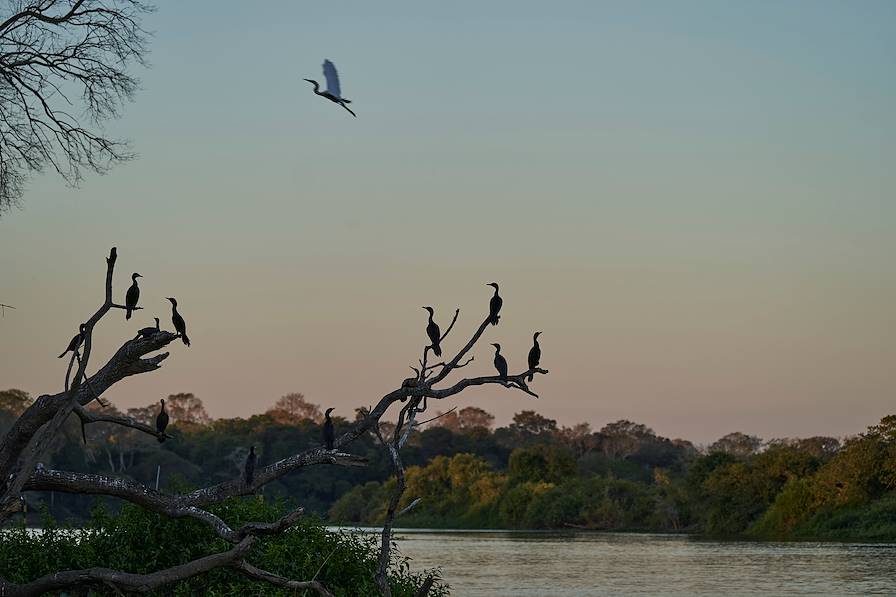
127 314
437 350
185 339
342 103
531 377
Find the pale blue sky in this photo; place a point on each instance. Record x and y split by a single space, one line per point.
693 200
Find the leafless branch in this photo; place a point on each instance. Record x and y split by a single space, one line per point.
258 574
89 416
438 416
409 507
382 579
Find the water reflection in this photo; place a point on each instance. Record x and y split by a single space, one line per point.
497 564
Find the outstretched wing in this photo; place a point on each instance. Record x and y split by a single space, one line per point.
332 78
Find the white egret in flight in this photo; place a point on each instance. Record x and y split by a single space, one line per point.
333 92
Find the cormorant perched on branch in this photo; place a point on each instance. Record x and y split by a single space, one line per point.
178 321
76 341
329 432
333 92
494 305
435 335
133 295
147 332
500 362
162 420
534 355
250 466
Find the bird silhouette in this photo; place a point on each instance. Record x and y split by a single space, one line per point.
76 341
132 296
179 324
333 92
494 305
534 355
147 332
500 362
435 335
329 432
162 421
250 466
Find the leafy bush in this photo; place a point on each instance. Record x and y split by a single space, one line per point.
138 541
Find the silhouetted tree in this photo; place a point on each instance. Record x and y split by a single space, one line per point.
63 71
43 425
292 408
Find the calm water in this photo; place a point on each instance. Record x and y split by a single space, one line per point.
479 564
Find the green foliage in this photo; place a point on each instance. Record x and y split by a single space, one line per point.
138 541
551 464
530 474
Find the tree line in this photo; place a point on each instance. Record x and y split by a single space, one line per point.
529 474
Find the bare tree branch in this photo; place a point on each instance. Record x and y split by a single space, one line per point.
89 416
137 583
253 572
381 577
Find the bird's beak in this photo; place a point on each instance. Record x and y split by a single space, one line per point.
309 80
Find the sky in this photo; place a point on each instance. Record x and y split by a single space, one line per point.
693 201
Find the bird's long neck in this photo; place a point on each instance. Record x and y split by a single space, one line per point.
316 87
535 341
430 318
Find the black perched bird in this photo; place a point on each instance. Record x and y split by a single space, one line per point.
333 92
329 432
435 335
250 466
178 321
76 341
132 296
534 355
494 305
500 362
147 332
162 420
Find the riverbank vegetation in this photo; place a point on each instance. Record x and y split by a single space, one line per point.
530 474
141 542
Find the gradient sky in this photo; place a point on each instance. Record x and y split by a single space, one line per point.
694 201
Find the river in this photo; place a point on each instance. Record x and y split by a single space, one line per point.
522 564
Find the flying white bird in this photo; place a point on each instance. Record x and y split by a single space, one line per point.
333 92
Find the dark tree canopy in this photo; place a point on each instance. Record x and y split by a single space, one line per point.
64 71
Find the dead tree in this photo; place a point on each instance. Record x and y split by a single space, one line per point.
60 59
30 435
